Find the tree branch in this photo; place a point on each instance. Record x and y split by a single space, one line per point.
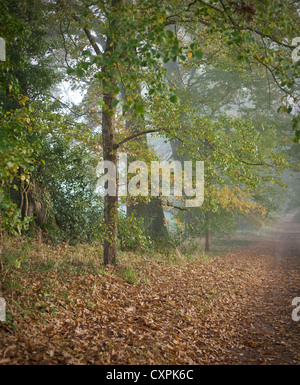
89 36
175 207
136 135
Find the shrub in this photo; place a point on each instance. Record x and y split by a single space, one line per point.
132 233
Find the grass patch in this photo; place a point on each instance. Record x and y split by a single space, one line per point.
12 284
233 242
129 276
49 268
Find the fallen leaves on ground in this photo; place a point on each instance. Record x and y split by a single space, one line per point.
233 309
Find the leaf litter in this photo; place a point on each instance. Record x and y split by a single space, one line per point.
234 308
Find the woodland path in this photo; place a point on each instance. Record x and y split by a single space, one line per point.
268 335
233 309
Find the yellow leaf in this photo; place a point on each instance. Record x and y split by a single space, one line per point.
23 99
190 54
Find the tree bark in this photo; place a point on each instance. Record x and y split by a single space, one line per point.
207 232
110 246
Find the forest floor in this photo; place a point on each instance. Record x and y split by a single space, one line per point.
230 307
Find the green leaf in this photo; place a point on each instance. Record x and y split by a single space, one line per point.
173 98
139 108
79 72
86 52
170 34
125 107
198 53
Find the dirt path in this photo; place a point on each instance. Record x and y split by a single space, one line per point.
264 330
233 309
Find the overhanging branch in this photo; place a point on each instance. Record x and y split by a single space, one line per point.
136 135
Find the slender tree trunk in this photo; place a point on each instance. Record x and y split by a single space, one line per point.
207 232
207 239
110 247
111 202
109 82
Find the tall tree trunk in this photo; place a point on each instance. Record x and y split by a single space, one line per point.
110 247
207 232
